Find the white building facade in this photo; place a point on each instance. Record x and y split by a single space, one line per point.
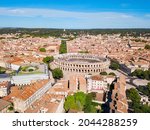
4 89
96 85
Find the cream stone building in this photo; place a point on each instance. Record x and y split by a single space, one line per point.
99 83
27 95
4 88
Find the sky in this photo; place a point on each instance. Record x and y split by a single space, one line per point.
75 14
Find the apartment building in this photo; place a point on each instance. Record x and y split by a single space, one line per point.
99 83
4 88
119 100
23 97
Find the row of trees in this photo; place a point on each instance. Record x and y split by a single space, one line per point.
105 73
141 74
81 102
63 47
135 105
139 40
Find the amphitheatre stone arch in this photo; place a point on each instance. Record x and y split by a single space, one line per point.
81 63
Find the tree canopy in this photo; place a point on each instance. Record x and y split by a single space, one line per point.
136 105
103 73
141 74
57 73
147 47
2 70
112 73
114 65
70 103
48 59
133 95
81 102
42 50
145 89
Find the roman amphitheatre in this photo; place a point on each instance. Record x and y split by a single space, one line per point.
81 63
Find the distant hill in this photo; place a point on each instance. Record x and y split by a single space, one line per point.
45 32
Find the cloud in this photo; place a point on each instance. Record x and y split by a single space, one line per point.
29 12
70 19
147 15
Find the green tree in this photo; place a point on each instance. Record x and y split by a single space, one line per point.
93 94
103 73
11 108
133 95
48 59
141 74
112 73
88 104
136 105
2 70
42 50
146 75
75 102
80 96
57 73
81 102
145 108
148 86
147 47
114 65
69 103
145 89
142 108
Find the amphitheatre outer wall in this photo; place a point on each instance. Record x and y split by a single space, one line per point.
81 63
